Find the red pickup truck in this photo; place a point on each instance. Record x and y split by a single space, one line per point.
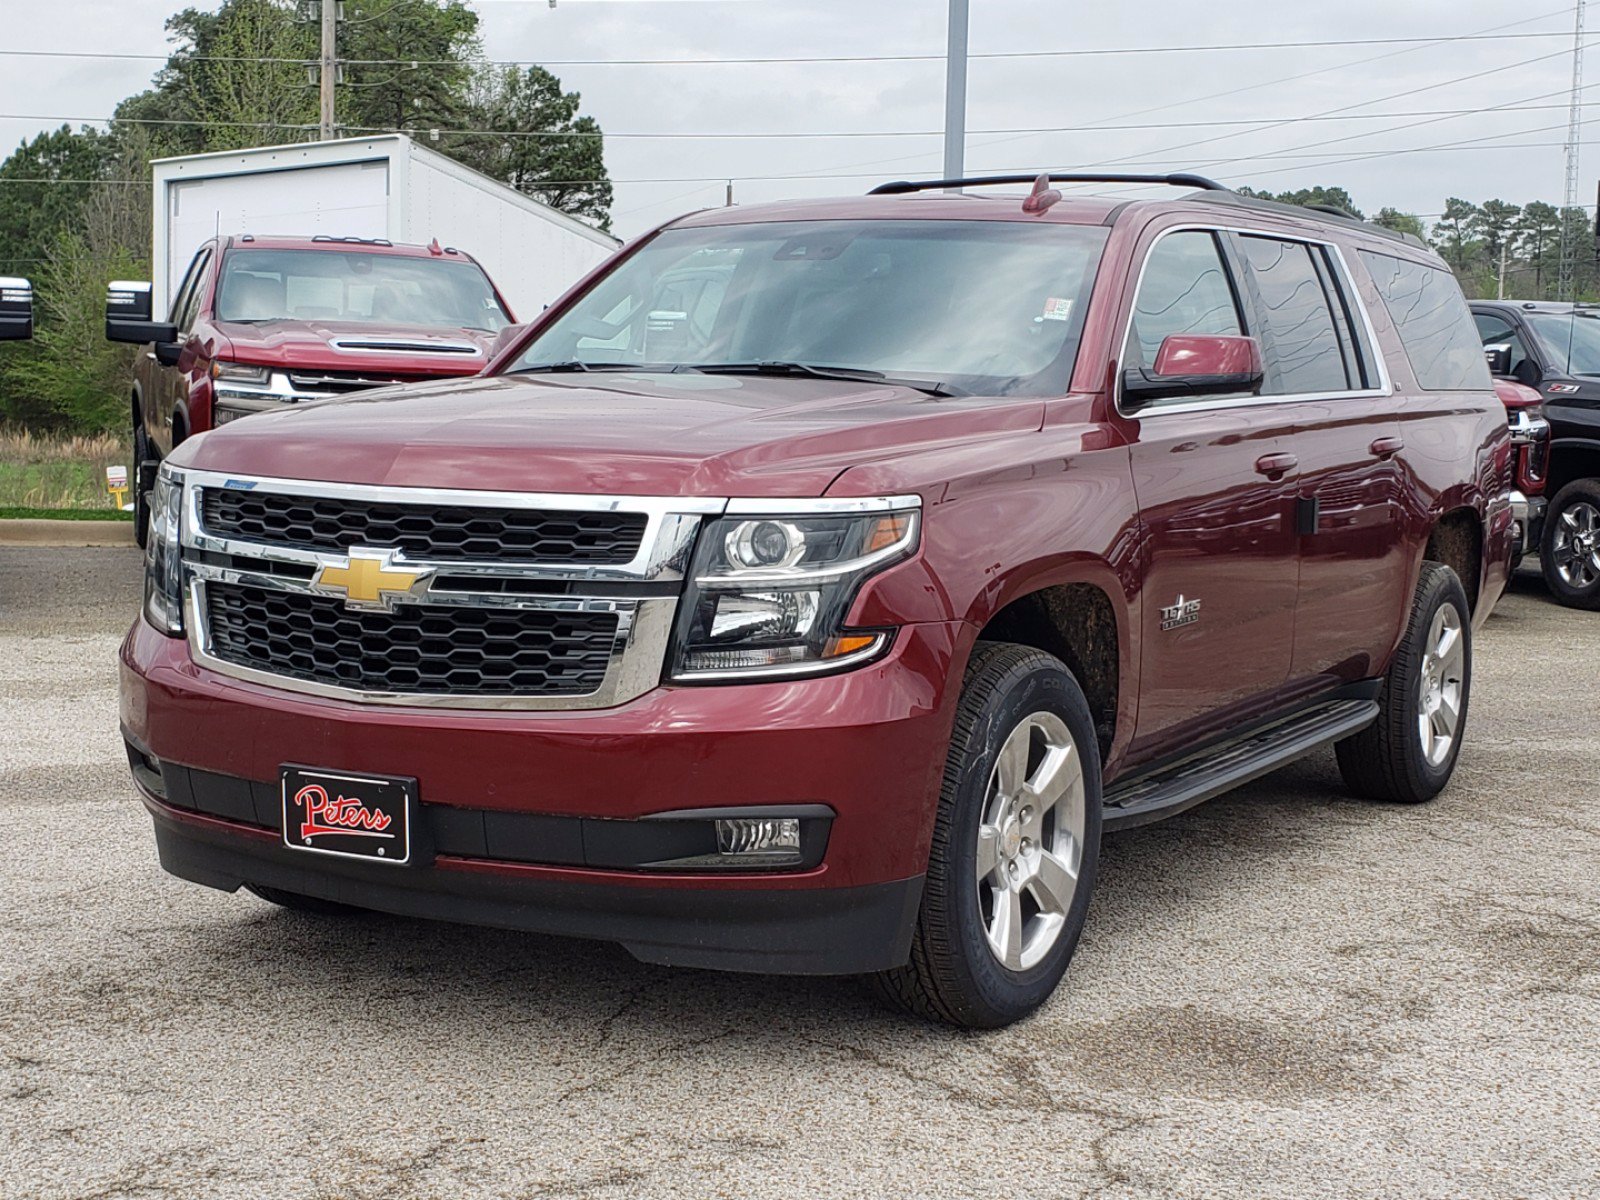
262 322
812 586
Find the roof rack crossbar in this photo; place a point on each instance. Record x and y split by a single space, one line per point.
903 186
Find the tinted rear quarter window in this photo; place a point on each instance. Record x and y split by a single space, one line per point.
1433 321
1301 344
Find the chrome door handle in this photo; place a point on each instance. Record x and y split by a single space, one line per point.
1276 466
1387 447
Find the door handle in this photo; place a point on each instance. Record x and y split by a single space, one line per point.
1387 447
1276 466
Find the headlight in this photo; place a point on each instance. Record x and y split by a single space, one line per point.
163 576
769 593
231 372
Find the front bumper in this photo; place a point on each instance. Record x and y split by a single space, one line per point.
1527 524
867 746
818 931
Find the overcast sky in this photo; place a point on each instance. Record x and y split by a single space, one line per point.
1170 92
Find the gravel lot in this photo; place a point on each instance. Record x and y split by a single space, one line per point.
1283 993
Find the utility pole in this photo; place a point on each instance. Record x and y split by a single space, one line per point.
1505 244
330 65
955 94
1569 241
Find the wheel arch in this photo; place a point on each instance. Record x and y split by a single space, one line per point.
1571 459
1073 613
1456 540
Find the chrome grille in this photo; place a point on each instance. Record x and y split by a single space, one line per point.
417 648
425 531
504 599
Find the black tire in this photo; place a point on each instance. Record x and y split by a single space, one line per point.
1579 587
141 497
1387 760
954 976
305 904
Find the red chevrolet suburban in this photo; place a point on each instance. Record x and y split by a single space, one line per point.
262 322
812 586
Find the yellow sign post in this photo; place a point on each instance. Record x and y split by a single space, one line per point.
117 483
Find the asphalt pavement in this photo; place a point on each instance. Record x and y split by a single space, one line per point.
1283 993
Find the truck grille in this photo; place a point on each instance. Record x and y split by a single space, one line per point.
425 532
417 648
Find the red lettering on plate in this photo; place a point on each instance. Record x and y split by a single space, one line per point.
343 815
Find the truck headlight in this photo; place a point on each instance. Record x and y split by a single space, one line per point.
163 574
769 593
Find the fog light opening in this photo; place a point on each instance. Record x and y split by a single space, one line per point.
768 841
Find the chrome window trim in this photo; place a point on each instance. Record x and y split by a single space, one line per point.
1346 281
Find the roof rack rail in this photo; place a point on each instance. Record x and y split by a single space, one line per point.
352 240
903 187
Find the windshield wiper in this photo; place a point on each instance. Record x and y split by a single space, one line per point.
811 370
573 364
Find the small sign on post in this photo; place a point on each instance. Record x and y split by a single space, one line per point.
117 483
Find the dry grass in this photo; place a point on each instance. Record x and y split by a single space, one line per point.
46 471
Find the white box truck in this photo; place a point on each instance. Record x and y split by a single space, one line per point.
371 187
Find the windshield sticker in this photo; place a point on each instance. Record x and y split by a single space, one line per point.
1057 308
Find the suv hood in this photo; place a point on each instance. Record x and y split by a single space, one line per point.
615 434
355 346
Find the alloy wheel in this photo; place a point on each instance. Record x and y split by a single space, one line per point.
1030 841
1576 545
1440 690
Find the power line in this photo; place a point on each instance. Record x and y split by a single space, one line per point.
734 135
1236 91
998 55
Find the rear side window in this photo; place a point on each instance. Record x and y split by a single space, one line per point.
1303 347
1184 289
1433 321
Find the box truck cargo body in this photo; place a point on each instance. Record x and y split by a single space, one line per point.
371 187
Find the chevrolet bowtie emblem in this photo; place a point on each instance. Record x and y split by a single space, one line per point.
370 578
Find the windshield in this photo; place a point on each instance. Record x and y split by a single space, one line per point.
365 289
1571 343
985 307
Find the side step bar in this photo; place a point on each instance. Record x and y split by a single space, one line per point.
1169 790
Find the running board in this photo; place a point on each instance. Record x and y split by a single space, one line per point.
1170 790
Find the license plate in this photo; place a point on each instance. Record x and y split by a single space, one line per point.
353 816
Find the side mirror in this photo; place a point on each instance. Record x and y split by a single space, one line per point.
1195 365
1498 356
128 315
16 310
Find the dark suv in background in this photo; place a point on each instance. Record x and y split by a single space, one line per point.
1555 349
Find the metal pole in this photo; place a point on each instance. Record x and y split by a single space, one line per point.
330 64
1569 199
955 94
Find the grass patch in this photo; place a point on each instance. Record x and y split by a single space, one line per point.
44 473
14 513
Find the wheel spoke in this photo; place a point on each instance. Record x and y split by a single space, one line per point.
1449 643
988 851
1005 930
1054 779
1053 883
1448 710
1570 520
1011 766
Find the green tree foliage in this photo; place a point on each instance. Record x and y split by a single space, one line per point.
1327 197
438 42
237 77
33 206
546 148
1401 222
